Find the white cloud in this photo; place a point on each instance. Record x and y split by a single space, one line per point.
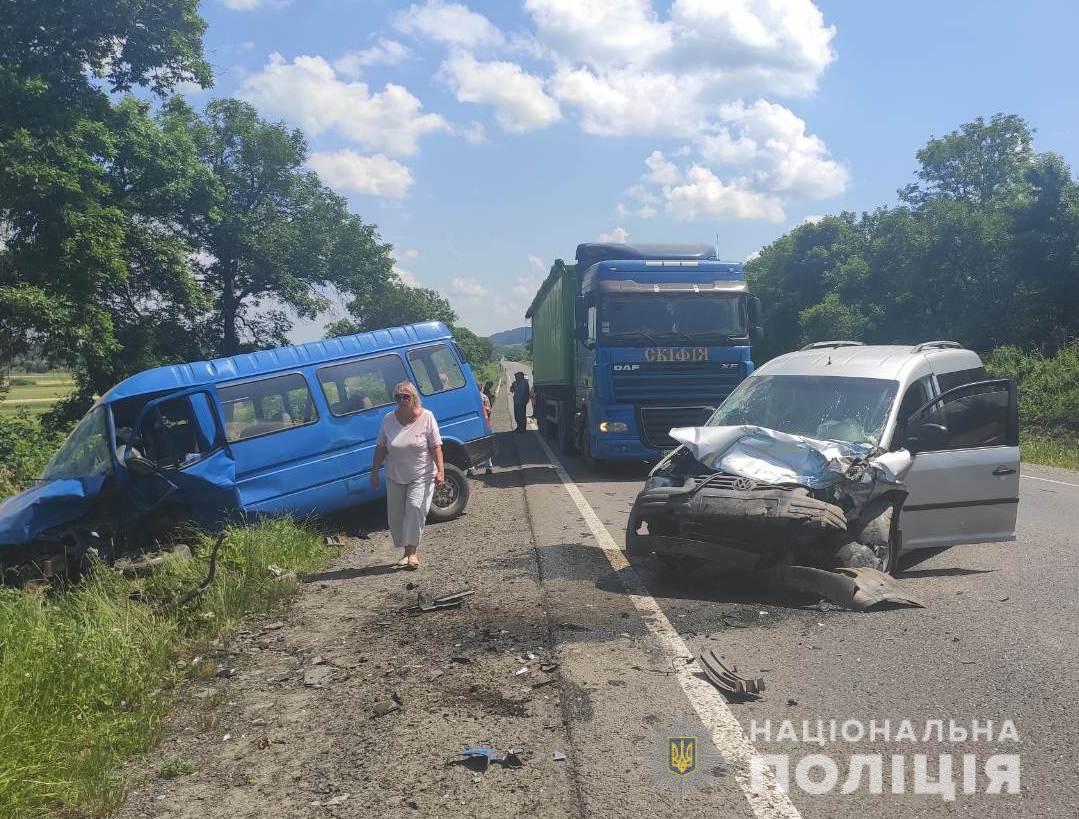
469 288
618 236
783 45
307 92
518 98
626 71
626 101
811 219
767 159
661 171
376 175
384 52
537 266
449 23
474 134
407 254
703 195
601 31
697 193
772 140
407 277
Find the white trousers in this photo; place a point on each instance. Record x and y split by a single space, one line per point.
407 505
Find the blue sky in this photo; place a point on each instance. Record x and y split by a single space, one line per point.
487 138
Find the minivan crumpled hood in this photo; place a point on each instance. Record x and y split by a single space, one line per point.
26 516
768 456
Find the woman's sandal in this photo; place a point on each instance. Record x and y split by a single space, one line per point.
403 563
413 563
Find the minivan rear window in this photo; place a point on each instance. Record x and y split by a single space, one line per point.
356 386
436 369
266 405
958 378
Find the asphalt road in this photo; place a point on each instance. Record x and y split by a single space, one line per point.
997 641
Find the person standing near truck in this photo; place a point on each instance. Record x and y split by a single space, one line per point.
411 446
521 393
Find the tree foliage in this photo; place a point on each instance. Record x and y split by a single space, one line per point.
983 249
264 230
88 187
392 304
395 303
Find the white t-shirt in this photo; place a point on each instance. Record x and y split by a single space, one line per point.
408 448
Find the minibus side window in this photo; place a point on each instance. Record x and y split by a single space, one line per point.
266 405
436 369
361 385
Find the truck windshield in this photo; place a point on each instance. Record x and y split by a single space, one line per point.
690 317
831 408
84 453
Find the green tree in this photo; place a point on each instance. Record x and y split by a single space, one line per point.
270 237
984 249
87 235
477 351
390 305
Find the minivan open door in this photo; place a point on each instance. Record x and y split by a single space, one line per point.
178 454
964 482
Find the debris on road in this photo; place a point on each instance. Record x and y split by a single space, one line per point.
446 601
480 759
317 676
726 678
333 801
858 589
558 756
384 707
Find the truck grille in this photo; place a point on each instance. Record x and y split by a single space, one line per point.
656 422
699 382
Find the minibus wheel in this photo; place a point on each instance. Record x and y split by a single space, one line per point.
451 498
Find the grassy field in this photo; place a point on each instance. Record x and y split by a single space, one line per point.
1040 449
36 392
86 675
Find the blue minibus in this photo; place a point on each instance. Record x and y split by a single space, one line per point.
285 431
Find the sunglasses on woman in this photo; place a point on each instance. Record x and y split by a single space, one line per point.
402 396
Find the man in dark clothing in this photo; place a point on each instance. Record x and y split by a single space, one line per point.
520 390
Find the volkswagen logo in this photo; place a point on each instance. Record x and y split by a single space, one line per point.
745 484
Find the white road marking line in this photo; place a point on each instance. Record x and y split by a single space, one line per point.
771 802
1050 480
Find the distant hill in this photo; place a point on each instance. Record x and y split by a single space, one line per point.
518 335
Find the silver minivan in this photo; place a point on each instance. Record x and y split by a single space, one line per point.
934 400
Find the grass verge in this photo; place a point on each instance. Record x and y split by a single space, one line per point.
86 675
1050 450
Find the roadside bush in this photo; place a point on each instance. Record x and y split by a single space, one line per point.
86 675
25 448
1048 387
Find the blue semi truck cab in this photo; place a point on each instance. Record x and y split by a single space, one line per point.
634 340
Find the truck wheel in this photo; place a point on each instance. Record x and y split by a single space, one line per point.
879 532
451 498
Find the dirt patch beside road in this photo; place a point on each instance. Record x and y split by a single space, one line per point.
349 707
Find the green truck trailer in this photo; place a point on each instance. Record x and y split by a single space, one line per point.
552 327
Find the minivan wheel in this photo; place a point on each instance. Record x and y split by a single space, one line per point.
879 531
451 498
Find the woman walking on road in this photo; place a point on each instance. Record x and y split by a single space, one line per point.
410 445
